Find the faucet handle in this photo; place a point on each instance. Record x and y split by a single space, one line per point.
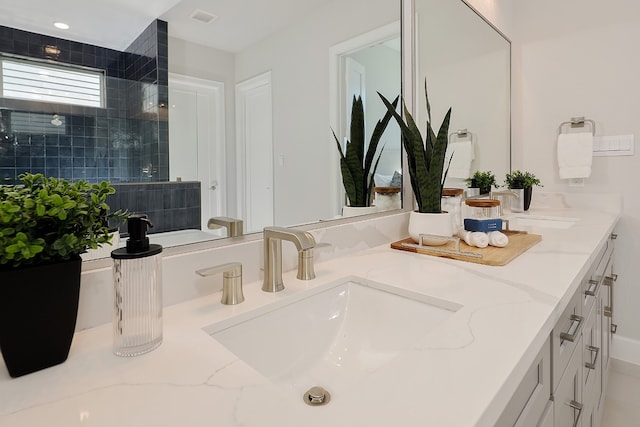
231 281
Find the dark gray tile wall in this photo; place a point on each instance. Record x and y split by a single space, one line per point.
169 205
123 142
126 142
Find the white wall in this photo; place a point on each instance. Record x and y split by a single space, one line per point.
299 62
580 58
191 59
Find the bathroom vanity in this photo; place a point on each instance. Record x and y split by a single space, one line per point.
498 343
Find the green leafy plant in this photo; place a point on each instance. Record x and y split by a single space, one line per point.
520 179
426 158
483 180
357 170
47 220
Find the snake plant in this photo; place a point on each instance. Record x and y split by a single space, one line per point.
425 158
357 169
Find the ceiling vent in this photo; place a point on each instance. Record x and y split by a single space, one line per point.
204 17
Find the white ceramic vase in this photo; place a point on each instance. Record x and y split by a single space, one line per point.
436 224
349 211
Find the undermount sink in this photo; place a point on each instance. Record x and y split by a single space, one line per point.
334 334
556 222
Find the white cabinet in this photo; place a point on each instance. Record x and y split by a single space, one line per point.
532 395
567 396
565 385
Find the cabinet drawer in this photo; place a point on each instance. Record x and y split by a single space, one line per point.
591 358
532 395
547 416
594 279
565 337
568 404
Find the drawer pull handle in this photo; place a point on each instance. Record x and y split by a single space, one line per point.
593 289
614 236
578 407
609 280
571 336
608 312
592 365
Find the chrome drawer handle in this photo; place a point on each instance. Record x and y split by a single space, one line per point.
595 350
614 236
609 280
575 320
594 285
576 406
608 312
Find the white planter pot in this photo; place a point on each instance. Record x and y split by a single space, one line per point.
440 224
349 211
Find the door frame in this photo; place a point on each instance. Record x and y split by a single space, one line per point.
243 173
211 153
337 87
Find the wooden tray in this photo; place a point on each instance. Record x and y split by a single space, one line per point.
518 243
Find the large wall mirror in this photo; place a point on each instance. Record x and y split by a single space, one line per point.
467 65
278 97
255 94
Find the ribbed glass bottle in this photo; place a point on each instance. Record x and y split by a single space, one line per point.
137 321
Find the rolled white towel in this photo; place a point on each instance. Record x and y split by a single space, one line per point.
498 239
474 238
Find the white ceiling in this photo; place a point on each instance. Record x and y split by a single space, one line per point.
116 23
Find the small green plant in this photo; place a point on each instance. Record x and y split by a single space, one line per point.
426 158
520 179
483 180
48 220
357 170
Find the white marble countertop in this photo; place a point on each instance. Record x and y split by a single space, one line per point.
461 376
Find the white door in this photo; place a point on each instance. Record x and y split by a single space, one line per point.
255 152
196 139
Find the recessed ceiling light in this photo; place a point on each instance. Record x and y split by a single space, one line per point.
61 25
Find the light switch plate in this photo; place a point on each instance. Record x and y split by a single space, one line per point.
617 145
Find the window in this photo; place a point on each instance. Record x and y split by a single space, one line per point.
51 83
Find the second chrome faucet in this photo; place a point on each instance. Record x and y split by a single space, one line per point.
273 237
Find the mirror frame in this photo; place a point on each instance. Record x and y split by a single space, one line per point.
408 82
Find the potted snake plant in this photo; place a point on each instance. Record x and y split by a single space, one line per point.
427 171
45 224
358 169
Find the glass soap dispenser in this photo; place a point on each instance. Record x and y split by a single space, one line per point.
137 277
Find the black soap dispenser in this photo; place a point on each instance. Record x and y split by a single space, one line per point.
137 278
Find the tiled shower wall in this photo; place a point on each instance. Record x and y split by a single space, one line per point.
128 141
125 142
168 205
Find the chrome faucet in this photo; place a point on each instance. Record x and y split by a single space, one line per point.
233 225
231 281
273 237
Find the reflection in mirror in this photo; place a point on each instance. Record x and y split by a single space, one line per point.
280 96
365 65
467 66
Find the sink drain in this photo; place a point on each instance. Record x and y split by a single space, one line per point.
316 396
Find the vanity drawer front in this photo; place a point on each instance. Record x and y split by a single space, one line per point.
528 402
591 358
547 416
568 410
565 337
593 281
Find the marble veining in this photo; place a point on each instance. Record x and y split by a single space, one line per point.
477 356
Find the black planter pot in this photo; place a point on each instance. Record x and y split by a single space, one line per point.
527 197
38 315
